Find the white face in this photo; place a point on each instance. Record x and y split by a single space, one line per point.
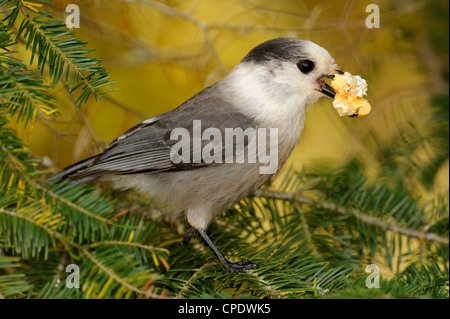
305 76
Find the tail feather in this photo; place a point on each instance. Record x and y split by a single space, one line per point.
68 172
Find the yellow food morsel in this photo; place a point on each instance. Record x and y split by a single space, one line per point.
351 105
349 91
339 83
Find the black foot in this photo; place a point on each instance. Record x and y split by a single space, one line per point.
243 266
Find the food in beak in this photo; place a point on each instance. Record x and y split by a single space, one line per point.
350 90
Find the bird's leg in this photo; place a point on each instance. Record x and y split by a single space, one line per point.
243 266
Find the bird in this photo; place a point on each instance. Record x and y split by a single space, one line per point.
270 88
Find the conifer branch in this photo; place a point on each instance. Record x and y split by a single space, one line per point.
36 223
371 220
127 244
191 279
117 278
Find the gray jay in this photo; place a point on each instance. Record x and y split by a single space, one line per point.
271 88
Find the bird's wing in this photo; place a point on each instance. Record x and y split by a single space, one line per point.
146 147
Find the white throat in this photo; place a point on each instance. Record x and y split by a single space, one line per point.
255 93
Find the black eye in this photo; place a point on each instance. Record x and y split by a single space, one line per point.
306 66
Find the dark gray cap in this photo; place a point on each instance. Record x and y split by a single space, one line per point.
284 49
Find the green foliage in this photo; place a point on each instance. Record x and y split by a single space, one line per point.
11 283
64 53
312 237
57 47
23 93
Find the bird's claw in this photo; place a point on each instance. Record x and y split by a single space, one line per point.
243 266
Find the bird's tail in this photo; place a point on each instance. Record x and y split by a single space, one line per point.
70 172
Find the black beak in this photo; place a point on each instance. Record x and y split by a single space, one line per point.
324 87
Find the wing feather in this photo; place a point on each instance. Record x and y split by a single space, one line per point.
146 146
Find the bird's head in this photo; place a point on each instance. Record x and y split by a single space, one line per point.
297 64
286 71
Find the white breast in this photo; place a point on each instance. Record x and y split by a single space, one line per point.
254 92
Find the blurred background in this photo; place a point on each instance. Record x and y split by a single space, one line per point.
162 52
